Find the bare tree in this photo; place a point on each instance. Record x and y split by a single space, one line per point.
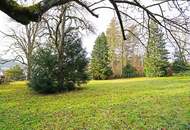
24 43
115 43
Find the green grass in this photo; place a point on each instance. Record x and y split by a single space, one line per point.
140 103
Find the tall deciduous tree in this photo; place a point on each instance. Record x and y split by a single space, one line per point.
156 60
116 47
25 40
133 49
100 63
122 52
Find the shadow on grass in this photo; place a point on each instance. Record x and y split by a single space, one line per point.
74 90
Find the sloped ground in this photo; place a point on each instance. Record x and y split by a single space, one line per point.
140 103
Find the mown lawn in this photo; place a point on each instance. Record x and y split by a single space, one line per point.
140 103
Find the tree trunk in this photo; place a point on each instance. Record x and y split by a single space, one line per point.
61 53
29 70
61 72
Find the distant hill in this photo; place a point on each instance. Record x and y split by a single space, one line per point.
8 64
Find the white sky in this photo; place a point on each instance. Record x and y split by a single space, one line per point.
100 23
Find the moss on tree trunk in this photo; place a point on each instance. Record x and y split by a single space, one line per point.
20 13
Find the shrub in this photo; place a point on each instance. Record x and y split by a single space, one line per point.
14 74
129 71
2 79
180 66
43 77
184 73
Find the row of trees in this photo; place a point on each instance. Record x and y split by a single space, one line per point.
112 57
55 58
121 58
156 61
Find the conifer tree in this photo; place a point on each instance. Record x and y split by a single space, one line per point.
99 66
180 63
156 60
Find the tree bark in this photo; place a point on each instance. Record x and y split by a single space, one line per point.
29 67
61 52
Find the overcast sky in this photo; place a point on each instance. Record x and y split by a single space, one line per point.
100 23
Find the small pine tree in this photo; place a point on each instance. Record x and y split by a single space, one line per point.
156 60
180 64
99 66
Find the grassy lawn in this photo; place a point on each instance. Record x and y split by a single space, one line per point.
140 103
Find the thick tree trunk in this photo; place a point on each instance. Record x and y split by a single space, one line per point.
29 66
61 52
61 72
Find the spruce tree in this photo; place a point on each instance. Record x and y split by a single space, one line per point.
180 63
99 66
156 60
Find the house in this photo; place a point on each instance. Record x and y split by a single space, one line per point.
2 77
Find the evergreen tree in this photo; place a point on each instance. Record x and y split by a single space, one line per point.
45 68
180 64
156 60
75 62
100 59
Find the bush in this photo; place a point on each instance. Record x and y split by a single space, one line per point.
129 71
2 79
180 66
184 73
43 77
15 73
